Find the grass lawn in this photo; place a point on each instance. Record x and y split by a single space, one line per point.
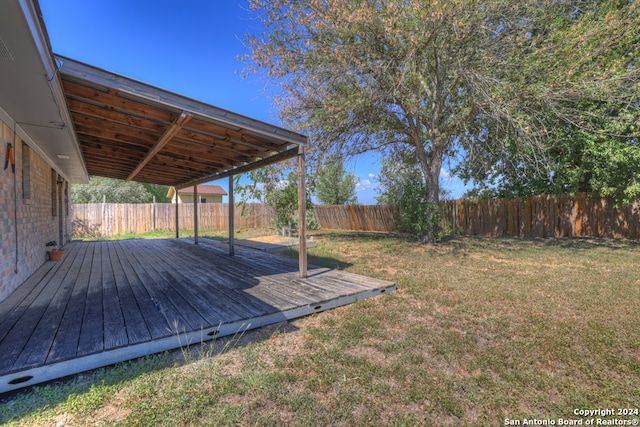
479 331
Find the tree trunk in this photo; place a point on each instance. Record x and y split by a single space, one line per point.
431 166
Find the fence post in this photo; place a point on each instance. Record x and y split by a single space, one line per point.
154 213
578 222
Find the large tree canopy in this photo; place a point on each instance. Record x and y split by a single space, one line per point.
111 190
585 67
478 82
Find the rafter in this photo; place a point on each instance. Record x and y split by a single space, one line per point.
159 145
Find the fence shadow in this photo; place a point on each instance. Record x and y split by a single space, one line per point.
587 243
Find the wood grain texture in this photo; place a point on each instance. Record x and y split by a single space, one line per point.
127 129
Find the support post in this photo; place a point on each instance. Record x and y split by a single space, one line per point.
231 217
302 213
177 214
195 214
154 213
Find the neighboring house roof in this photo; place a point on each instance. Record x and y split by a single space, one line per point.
203 190
87 121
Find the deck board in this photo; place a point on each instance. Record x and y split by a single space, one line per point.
65 344
92 331
153 319
224 302
113 301
134 320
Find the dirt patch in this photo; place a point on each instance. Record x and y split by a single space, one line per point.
114 411
276 240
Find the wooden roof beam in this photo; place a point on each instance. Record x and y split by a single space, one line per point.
266 161
164 140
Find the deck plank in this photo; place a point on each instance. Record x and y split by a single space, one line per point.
161 262
155 322
92 331
134 321
161 293
180 314
222 282
115 332
17 303
271 273
65 344
203 278
19 299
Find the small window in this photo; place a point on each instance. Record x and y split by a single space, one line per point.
26 171
54 193
203 200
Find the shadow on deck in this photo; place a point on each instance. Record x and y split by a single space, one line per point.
108 302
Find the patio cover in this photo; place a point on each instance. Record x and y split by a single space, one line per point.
130 130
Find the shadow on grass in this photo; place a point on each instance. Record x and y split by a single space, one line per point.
524 243
94 386
586 243
459 243
316 260
361 236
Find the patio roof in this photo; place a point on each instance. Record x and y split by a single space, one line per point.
130 130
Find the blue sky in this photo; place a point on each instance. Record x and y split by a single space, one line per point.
189 47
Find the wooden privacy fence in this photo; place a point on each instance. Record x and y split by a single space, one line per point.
534 216
109 219
557 215
360 218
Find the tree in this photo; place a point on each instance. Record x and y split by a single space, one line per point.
277 187
158 191
402 184
593 141
454 79
334 186
115 191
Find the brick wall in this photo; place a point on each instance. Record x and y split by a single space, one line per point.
22 242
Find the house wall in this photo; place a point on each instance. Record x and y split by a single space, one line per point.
27 222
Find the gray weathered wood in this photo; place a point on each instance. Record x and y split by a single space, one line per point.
302 213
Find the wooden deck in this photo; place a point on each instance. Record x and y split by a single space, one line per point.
108 302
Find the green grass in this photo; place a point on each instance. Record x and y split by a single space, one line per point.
479 330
